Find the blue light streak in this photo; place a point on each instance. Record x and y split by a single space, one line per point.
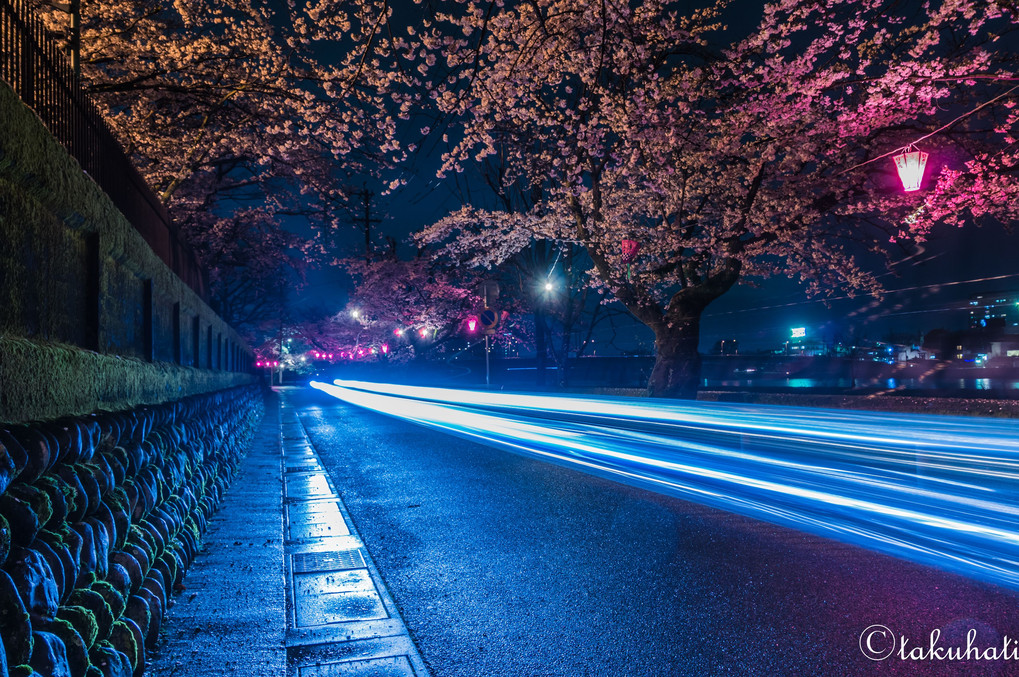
938 490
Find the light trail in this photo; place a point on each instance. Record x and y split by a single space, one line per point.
939 490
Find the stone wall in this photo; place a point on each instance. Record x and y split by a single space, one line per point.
100 517
126 404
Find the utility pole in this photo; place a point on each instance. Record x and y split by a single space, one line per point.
367 220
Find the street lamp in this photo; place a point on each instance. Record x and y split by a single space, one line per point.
911 164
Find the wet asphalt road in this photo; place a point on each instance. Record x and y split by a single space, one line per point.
504 565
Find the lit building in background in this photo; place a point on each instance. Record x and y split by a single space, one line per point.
994 309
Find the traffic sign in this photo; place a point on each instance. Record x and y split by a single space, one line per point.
489 320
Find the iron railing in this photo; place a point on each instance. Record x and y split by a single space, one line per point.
38 70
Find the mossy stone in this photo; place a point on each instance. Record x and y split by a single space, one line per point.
15 624
37 498
74 645
58 501
5 539
22 520
97 606
84 623
112 597
110 662
124 639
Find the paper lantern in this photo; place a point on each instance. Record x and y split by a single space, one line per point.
910 164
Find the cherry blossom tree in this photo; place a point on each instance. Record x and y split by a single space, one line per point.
727 154
253 266
414 307
231 105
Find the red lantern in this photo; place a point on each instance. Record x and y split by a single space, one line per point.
630 249
910 164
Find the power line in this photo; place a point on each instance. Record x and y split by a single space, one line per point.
937 285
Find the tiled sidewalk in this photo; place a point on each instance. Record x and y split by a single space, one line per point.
283 585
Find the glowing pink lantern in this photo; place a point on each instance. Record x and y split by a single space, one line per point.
398 332
472 324
259 363
630 249
385 348
330 356
360 352
423 332
910 164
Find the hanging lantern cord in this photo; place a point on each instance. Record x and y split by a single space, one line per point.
927 136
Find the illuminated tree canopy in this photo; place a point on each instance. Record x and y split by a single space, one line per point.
726 154
231 105
731 146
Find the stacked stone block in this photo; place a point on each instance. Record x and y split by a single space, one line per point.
100 517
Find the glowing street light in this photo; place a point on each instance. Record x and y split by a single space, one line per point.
910 164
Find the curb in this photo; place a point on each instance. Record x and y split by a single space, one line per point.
341 620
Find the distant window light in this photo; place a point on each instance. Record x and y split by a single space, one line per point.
799 332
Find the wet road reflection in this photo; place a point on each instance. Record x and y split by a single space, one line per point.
936 490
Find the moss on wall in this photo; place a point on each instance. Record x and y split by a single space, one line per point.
46 186
42 381
51 213
41 270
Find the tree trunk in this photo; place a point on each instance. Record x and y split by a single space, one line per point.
677 370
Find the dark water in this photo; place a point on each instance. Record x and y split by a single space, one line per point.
891 383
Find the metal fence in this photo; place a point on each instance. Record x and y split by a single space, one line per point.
38 70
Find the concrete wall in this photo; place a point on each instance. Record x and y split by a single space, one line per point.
90 318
